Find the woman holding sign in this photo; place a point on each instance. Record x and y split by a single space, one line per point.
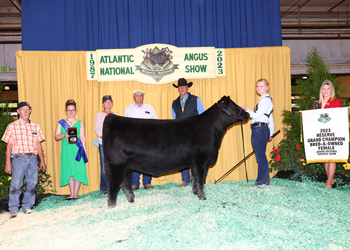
73 148
327 100
262 130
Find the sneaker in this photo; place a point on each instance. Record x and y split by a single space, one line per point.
262 185
13 215
28 211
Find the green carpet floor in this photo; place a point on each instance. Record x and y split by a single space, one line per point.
236 215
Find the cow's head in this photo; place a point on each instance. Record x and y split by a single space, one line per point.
232 109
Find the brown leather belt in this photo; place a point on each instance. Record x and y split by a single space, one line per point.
259 124
27 154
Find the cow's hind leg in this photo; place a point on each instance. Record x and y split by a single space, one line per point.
127 185
115 177
194 173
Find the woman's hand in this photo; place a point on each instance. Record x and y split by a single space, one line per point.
244 107
270 139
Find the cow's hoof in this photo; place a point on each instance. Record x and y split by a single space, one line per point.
111 206
130 198
203 198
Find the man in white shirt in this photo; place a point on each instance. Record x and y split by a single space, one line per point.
142 110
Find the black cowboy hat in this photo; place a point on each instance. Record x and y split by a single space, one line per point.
182 82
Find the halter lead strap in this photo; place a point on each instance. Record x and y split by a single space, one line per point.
227 112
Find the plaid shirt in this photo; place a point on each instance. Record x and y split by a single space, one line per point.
23 136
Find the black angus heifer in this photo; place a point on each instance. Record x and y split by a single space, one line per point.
156 147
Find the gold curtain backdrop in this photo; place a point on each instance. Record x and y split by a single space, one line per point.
48 79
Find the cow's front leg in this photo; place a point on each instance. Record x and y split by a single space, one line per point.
115 178
127 185
202 174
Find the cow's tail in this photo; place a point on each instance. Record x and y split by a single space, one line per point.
106 164
105 161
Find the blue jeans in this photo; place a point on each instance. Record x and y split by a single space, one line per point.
146 179
260 136
186 177
23 166
104 177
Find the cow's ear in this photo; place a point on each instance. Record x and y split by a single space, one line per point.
223 99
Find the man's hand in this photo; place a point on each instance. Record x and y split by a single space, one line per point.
41 156
42 166
8 168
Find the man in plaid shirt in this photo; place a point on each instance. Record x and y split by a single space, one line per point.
23 139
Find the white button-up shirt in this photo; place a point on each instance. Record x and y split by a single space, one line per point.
265 106
146 111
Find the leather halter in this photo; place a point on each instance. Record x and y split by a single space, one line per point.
227 112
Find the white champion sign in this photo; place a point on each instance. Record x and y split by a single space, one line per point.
326 135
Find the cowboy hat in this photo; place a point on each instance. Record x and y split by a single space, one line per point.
183 82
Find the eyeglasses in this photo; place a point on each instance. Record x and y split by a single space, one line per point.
71 110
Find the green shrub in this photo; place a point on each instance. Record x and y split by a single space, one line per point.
44 182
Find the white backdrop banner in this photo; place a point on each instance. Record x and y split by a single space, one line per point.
326 135
155 64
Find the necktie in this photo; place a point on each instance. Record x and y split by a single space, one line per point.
183 104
